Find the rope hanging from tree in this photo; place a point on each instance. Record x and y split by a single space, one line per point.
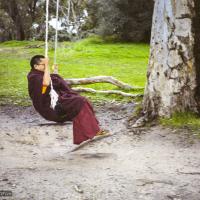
47 28
53 94
47 31
56 35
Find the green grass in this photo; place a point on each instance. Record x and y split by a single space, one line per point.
183 120
89 57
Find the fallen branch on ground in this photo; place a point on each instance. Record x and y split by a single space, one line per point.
100 79
90 90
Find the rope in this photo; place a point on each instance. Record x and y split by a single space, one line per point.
53 94
47 28
56 35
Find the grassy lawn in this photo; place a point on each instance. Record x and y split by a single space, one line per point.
85 58
183 120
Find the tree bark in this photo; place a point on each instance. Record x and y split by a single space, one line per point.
196 29
32 9
172 69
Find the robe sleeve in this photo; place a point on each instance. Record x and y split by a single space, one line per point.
61 83
38 95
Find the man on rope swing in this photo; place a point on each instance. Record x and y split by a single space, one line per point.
70 105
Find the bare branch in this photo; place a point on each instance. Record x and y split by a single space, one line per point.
100 79
90 90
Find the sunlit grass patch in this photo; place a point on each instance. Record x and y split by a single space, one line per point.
85 58
183 120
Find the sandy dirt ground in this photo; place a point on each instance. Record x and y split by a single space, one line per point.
150 164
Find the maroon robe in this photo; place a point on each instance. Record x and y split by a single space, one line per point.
71 101
76 108
85 124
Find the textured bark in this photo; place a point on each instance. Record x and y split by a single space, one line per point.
171 77
196 29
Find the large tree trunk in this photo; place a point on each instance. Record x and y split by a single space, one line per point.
172 69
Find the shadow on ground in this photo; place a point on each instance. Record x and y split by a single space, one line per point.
154 164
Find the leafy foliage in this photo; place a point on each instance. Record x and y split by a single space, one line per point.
128 20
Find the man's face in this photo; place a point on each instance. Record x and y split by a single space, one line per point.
40 66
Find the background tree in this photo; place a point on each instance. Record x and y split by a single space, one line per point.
25 19
21 14
128 20
73 14
174 66
6 25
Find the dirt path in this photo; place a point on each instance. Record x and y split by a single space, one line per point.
157 164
